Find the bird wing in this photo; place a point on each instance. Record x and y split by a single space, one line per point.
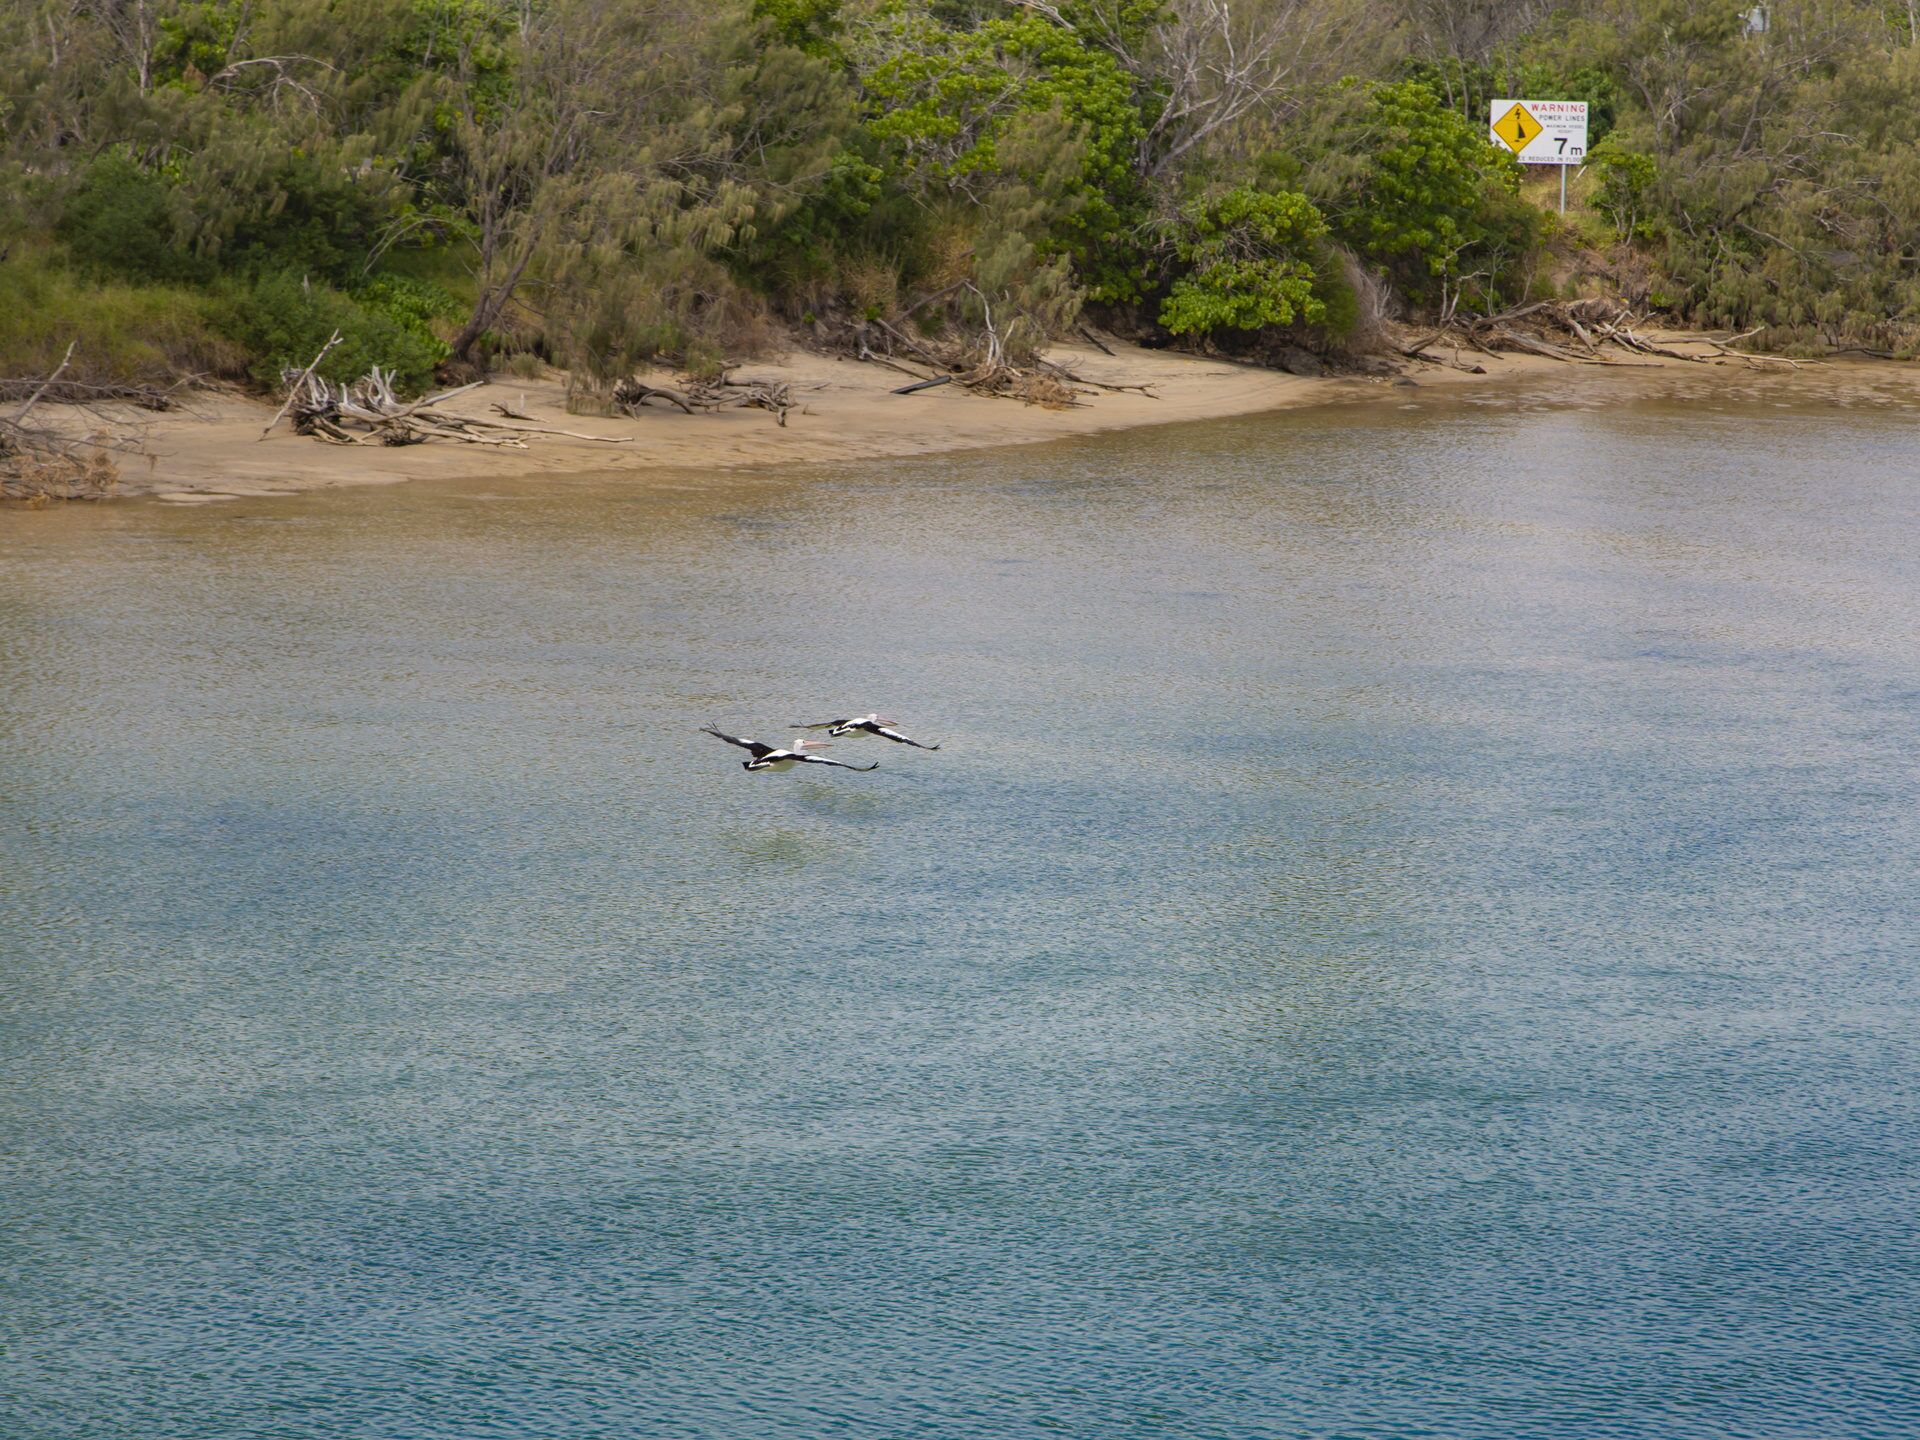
753 747
823 760
819 725
884 733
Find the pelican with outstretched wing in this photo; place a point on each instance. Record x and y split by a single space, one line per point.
775 757
866 725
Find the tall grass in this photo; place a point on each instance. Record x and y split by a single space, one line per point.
129 334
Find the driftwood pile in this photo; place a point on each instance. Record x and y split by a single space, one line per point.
726 393
977 358
367 412
979 364
36 469
1579 332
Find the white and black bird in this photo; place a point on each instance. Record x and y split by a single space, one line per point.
866 725
775 757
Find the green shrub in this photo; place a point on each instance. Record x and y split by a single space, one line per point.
119 221
1625 189
291 210
283 320
957 109
197 39
812 26
1253 258
413 305
305 213
850 209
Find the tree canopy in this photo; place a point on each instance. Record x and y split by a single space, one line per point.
602 181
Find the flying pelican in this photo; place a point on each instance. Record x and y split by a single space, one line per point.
773 757
869 725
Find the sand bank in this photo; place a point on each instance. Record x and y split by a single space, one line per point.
213 450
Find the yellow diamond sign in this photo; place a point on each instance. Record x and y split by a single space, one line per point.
1517 128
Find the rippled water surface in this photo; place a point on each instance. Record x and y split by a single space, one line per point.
1413 931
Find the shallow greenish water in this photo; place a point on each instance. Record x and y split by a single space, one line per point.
1414 931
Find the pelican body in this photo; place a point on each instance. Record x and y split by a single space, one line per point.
866 725
780 758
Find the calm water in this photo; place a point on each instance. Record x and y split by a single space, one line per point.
1415 931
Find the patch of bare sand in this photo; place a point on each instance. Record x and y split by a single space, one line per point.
848 413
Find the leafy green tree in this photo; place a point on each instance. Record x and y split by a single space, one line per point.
943 100
811 26
1432 201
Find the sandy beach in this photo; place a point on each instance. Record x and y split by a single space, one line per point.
212 448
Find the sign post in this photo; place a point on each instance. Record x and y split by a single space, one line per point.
1541 132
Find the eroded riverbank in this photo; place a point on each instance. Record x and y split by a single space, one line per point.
213 450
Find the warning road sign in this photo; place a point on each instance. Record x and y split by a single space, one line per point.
1540 132
1516 129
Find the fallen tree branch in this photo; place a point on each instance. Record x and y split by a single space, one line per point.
82 392
477 422
1540 347
1093 339
40 463
1061 372
1427 359
444 394
34 399
1599 328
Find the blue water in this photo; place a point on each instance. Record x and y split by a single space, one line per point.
1414 931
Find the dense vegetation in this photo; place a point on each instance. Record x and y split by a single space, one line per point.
217 185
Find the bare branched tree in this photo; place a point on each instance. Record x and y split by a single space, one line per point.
134 26
1208 65
276 79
